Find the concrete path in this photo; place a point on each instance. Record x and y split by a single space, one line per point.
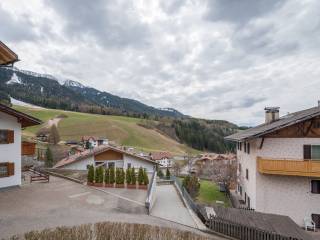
64 203
169 206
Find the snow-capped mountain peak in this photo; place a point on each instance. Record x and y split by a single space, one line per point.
71 83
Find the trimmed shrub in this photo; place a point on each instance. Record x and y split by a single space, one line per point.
145 178
90 177
118 176
133 176
140 176
168 174
160 173
107 176
99 175
128 176
122 176
113 230
192 185
112 175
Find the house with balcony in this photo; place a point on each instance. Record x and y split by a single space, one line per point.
279 165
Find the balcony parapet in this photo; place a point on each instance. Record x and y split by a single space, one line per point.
289 167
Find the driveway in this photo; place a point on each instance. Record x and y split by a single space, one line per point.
64 203
168 205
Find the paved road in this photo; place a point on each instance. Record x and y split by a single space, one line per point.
169 206
63 203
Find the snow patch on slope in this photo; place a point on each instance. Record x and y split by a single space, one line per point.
24 104
14 79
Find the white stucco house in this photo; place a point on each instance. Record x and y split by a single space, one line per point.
11 122
92 142
279 165
108 156
164 159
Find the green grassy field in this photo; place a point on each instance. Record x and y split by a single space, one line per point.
122 130
209 193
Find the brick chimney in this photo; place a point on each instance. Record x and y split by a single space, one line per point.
272 114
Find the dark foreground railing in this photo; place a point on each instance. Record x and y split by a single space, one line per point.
243 232
151 195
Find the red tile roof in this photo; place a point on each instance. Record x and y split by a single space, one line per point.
160 155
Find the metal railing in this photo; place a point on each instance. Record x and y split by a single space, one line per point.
243 232
185 195
151 194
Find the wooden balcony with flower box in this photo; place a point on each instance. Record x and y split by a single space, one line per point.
289 167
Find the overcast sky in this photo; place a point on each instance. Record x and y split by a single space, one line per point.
215 59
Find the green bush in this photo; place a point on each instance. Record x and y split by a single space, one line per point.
145 178
49 158
192 185
140 176
122 176
168 173
99 175
128 176
90 174
118 176
160 173
107 176
112 175
133 176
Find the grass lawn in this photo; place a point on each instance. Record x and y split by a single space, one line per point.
209 193
123 130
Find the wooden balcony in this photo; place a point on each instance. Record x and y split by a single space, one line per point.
286 167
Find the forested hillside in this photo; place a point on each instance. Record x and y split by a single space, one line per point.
47 91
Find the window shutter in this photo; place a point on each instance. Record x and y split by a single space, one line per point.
306 151
10 169
10 136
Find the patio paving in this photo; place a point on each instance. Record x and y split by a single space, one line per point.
64 203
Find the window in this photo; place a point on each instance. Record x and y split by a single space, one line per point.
245 147
248 148
245 197
240 190
315 186
129 165
6 169
111 165
6 136
249 203
311 152
240 167
247 174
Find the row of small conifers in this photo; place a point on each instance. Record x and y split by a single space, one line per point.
117 177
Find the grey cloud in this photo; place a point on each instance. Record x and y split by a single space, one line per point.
16 30
171 6
109 23
239 11
245 102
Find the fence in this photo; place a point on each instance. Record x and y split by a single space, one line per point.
151 195
243 232
188 199
38 175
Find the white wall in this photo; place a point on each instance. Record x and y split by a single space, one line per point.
80 165
11 152
286 195
137 163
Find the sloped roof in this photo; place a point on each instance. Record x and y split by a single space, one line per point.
160 155
7 56
285 121
93 152
25 119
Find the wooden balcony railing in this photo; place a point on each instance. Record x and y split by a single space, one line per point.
304 168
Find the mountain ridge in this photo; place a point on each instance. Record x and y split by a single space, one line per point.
48 91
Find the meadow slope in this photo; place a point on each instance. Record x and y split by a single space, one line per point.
122 130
